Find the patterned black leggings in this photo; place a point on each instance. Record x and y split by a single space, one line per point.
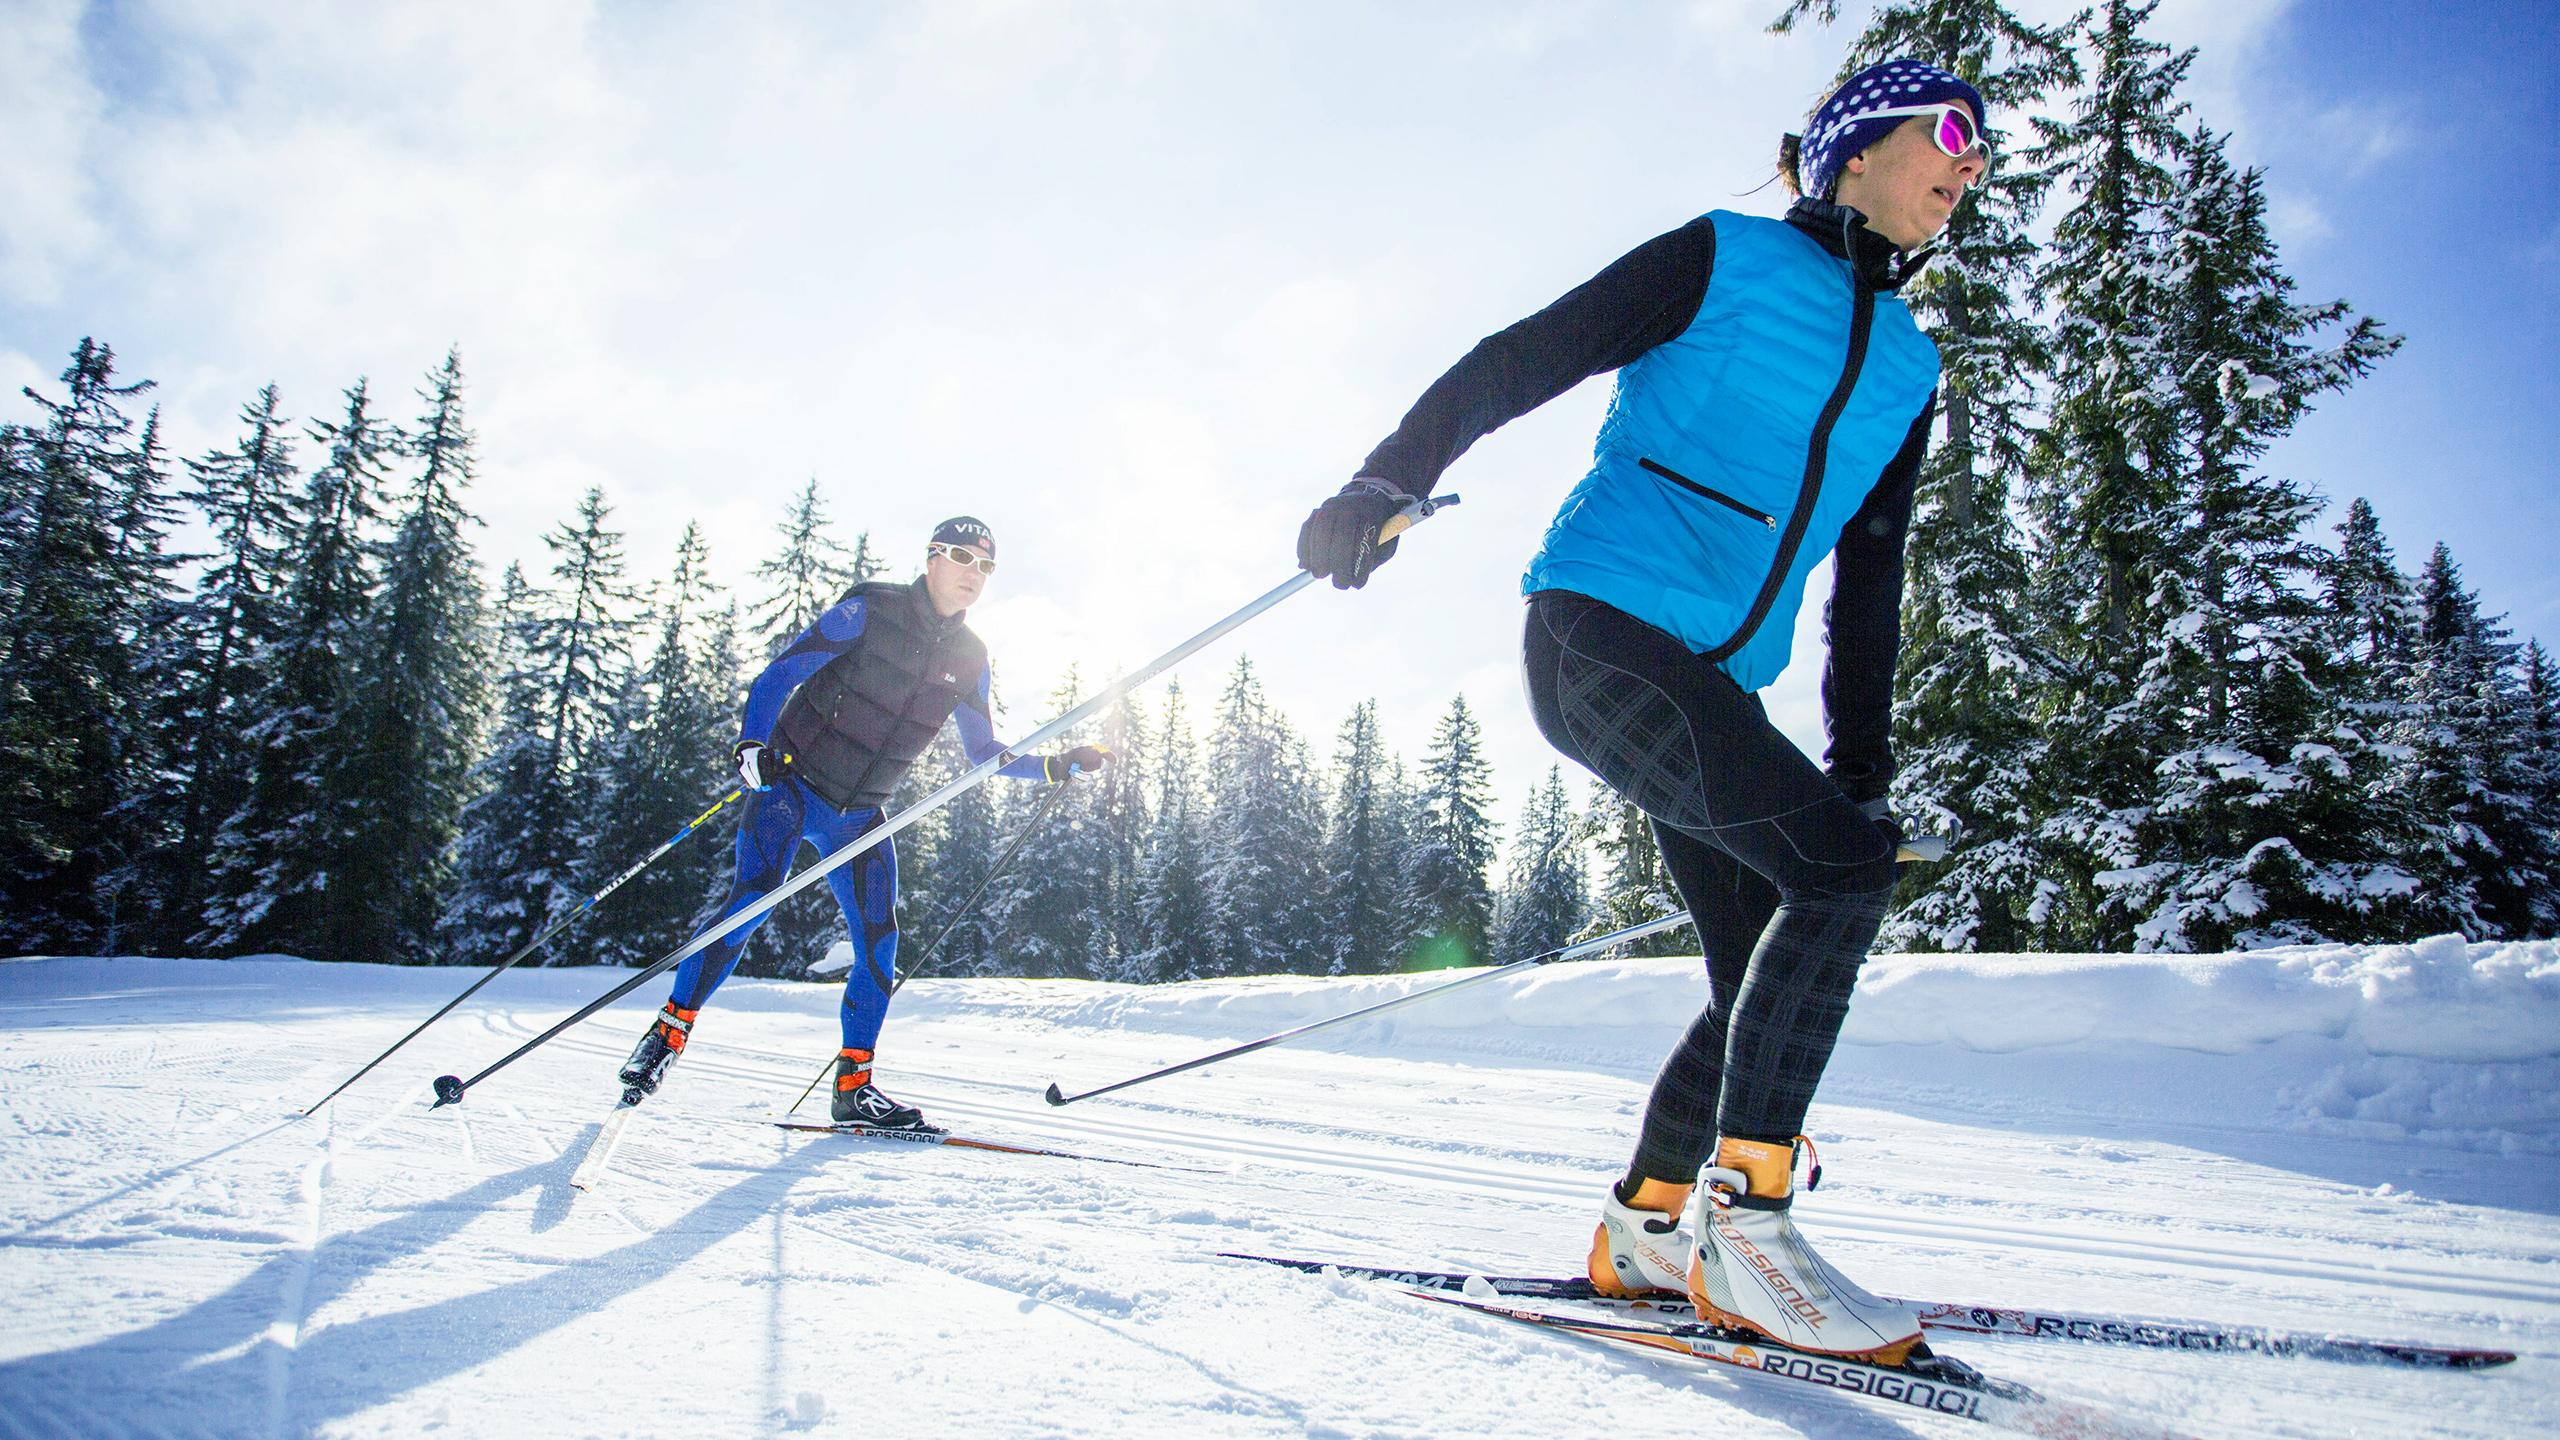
1786 879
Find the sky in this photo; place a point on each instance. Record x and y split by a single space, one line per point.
1136 283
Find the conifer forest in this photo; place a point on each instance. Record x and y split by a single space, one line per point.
258 693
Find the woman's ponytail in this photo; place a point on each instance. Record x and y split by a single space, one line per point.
1790 160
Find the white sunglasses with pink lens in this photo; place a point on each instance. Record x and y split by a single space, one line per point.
1955 134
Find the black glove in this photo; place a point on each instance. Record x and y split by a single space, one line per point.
1341 538
1082 760
753 768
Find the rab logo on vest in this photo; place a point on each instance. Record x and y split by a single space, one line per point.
950 679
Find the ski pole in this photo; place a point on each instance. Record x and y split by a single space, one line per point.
957 913
1654 926
536 943
1925 847
451 1088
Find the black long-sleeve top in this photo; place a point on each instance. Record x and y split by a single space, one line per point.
1646 297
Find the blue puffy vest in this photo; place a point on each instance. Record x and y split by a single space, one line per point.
1706 506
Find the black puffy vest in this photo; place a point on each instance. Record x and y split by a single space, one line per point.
854 728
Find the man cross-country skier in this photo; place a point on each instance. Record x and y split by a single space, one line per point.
831 726
1773 402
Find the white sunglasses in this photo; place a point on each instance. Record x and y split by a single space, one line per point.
1956 135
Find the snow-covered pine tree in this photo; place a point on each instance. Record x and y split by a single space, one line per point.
1451 900
811 572
2538 693
664 763
1174 880
2483 855
1632 887
943 860
421 697
284 855
1117 828
527 836
1961 728
1053 904
244 493
1261 838
2104 471
2258 831
1545 902
507 873
1361 888
73 747
149 599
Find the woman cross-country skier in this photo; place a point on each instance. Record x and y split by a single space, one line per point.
1773 404
831 726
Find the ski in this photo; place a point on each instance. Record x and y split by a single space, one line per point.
930 1135
590 1171
1936 1384
2004 1321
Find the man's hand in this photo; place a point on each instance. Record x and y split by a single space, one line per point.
1341 538
752 767
1082 760
1880 810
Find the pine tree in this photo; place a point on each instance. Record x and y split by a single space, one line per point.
809 574
2106 473
150 604
1054 903
421 697
2255 833
527 837
508 877
72 744
1633 886
244 493
1544 904
1451 901
1179 944
1261 836
2471 773
1360 900
295 835
1117 827
662 766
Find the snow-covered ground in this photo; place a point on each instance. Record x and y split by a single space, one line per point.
2360 1140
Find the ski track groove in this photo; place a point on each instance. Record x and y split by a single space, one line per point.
284 1335
1291 1417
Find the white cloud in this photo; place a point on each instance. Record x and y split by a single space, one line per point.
50 113
2297 221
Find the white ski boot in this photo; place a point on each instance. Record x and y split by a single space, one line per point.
1755 1271
1640 1247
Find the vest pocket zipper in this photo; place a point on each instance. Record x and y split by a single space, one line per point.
1727 501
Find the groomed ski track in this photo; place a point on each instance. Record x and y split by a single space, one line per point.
186 1263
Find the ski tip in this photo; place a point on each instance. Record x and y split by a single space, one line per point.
448 1091
1054 1096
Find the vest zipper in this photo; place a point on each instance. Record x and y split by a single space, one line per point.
1718 496
1862 312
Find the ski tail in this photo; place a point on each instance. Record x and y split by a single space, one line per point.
591 1169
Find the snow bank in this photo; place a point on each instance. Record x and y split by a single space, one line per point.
2438 999
2440 1040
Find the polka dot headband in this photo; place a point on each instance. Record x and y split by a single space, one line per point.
1842 127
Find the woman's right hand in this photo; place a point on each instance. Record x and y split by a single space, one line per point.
1341 538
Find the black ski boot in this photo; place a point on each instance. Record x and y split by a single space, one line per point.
859 1102
657 1050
